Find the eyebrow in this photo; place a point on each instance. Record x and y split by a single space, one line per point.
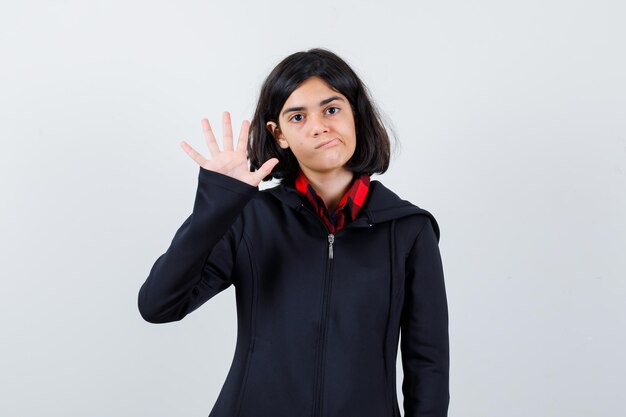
322 103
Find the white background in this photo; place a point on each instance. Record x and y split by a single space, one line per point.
511 119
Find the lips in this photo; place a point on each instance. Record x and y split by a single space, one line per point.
328 143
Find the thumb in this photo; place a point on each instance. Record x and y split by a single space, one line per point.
265 169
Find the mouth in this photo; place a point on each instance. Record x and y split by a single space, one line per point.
328 143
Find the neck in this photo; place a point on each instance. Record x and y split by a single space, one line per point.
330 186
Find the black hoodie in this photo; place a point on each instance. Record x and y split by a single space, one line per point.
319 315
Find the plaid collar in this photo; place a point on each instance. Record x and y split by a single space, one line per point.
348 207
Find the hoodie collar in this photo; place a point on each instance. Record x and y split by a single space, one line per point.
381 205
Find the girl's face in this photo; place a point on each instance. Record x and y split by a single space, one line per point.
317 124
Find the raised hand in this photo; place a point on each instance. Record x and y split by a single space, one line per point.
230 161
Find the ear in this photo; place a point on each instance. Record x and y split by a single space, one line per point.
274 129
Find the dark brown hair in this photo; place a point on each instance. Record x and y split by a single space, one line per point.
372 141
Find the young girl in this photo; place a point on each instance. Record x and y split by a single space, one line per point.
329 269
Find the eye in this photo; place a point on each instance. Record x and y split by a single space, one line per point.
296 118
332 110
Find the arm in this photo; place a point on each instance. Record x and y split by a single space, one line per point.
424 327
185 276
198 263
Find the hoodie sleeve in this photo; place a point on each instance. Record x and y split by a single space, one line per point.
198 263
424 329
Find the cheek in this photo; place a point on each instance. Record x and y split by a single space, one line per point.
353 140
299 150
350 129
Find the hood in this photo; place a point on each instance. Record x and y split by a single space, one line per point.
381 205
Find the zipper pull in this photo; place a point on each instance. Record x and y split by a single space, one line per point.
331 240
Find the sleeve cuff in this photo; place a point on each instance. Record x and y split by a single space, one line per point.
206 176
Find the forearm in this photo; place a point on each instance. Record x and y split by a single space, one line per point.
166 293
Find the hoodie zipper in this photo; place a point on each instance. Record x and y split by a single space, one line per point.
331 241
321 346
321 350
321 354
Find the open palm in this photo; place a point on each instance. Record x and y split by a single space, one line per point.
229 161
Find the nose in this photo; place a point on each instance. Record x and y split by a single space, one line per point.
319 125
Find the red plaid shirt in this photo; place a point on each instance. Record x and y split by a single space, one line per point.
348 207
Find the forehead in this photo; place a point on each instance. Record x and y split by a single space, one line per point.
311 92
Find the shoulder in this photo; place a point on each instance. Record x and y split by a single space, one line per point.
382 204
276 207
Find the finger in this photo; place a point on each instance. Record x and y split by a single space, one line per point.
193 153
227 128
265 169
242 142
209 138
